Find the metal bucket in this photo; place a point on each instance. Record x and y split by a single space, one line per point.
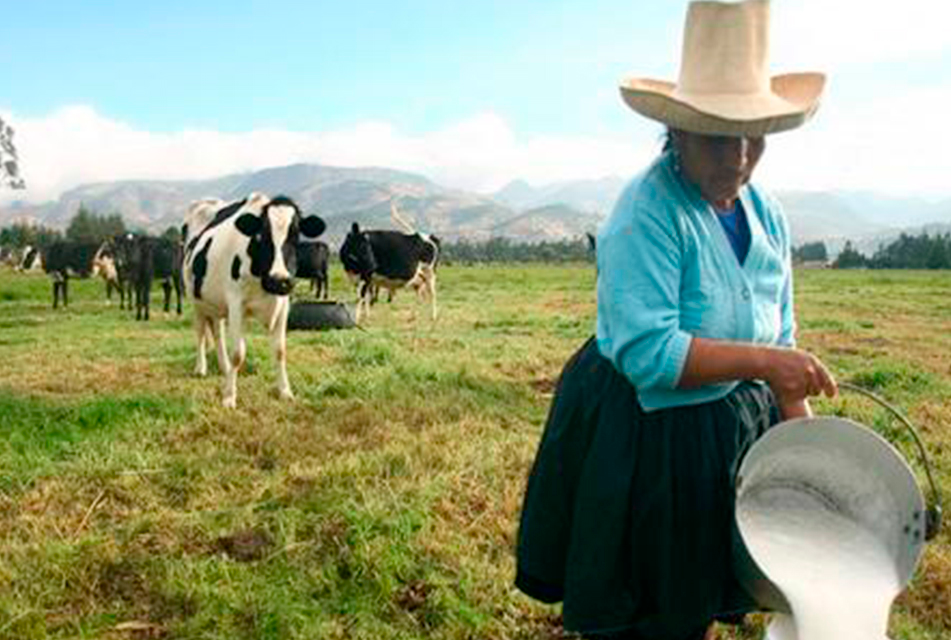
845 470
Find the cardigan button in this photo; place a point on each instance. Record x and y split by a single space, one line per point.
746 294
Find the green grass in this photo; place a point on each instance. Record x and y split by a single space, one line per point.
383 502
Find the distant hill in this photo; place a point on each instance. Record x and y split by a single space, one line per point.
340 195
866 218
593 196
518 211
549 222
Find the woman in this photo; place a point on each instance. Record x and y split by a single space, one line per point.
628 513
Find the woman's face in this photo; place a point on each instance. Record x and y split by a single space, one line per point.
718 165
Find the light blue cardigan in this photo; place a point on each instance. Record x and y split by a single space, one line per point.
667 272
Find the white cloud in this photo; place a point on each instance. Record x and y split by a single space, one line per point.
886 146
895 145
835 34
76 145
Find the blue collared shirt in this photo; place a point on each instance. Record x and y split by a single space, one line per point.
667 273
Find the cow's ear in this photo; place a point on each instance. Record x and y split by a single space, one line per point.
249 224
355 229
312 226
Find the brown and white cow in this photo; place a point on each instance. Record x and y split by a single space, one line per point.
239 260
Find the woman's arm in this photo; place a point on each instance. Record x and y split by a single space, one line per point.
793 375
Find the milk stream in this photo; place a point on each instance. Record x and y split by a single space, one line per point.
838 577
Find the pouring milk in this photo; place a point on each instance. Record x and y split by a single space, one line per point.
838 577
833 524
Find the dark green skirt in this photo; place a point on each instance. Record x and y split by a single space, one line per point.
628 516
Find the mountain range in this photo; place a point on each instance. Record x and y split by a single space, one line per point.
518 211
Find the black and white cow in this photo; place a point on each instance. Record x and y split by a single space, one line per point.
240 259
391 260
312 262
65 259
31 260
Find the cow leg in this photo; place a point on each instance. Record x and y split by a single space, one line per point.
279 344
431 287
217 328
179 287
65 286
364 301
56 287
238 352
167 290
146 295
202 325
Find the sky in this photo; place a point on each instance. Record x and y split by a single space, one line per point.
470 94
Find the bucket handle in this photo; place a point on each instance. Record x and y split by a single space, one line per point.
933 513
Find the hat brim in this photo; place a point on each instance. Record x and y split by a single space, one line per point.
793 99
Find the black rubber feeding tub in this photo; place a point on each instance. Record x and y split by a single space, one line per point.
317 315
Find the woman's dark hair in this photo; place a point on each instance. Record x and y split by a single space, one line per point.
668 138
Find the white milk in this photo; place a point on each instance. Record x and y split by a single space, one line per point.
838 578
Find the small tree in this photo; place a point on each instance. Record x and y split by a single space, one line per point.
21 234
88 226
9 167
173 233
849 258
811 251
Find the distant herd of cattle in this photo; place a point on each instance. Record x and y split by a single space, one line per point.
238 259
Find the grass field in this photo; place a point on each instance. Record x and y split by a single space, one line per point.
383 502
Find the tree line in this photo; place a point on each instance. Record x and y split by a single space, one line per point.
925 251
506 250
85 226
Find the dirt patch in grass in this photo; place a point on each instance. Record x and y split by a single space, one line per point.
246 545
412 596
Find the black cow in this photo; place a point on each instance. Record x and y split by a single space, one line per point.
312 260
167 257
392 260
65 259
139 259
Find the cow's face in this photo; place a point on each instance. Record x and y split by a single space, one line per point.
273 247
356 253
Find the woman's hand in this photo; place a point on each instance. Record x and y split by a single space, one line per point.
794 375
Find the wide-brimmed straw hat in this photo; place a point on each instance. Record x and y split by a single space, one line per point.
724 86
